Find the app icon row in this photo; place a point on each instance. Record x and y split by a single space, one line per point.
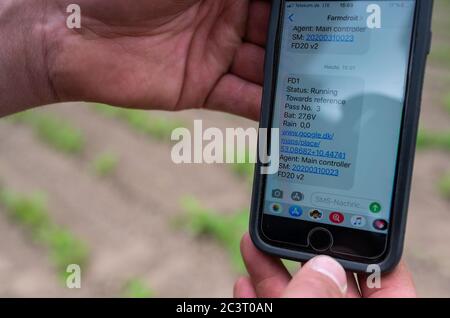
356 221
295 196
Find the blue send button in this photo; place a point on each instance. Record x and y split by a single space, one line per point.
295 211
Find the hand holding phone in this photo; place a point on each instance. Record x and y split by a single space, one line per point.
321 277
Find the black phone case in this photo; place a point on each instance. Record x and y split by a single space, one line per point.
421 45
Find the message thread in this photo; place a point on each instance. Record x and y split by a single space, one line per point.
339 103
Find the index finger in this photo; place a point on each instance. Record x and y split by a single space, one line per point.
258 22
269 276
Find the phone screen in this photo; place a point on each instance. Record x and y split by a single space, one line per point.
339 101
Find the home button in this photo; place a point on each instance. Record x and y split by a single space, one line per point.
320 239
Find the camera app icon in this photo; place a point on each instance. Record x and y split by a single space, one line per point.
277 194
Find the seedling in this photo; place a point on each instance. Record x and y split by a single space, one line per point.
447 103
157 127
244 170
32 214
29 211
227 230
105 164
432 140
444 186
441 55
136 288
53 131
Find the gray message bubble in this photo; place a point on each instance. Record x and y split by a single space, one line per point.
320 128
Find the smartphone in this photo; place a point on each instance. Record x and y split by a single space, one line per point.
342 89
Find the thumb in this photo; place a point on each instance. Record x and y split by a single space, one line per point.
321 277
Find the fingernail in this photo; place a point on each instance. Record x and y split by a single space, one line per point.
332 269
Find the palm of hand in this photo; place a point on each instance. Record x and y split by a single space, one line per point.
167 54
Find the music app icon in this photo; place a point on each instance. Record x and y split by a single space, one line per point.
358 221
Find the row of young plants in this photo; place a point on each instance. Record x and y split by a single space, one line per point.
31 213
444 183
63 247
227 230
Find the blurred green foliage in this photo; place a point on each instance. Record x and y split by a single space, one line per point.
31 213
53 131
226 229
433 140
243 170
447 103
444 186
136 288
157 127
291 266
440 54
105 164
